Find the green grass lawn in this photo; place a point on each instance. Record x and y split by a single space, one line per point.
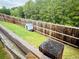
3 53
36 39
32 37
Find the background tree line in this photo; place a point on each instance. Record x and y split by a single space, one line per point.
64 12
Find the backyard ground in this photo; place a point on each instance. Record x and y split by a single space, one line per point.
3 53
35 39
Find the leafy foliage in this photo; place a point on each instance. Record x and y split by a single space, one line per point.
4 10
64 12
56 11
18 12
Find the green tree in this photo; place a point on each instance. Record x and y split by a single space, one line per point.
4 10
18 12
64 12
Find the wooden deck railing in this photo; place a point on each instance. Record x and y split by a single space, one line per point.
24 46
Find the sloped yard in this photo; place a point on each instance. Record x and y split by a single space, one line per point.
35 39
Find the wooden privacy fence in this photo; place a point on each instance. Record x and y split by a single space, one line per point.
66 34
62 33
